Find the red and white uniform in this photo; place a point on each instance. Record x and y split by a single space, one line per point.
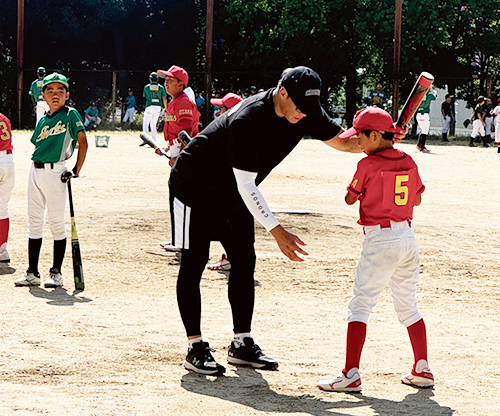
182 114
7 178
387 183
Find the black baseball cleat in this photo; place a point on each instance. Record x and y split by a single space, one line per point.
250 354
200 360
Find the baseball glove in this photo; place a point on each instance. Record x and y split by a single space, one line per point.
466 122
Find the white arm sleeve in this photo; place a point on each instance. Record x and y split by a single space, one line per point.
253 198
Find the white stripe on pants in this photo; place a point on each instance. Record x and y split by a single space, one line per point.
45 190
182 217
150 119
477 127
389 256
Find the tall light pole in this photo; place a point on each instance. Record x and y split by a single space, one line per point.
208 57
397 59
20 57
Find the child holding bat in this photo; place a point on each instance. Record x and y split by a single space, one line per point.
388 186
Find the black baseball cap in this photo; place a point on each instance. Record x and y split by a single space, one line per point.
304 88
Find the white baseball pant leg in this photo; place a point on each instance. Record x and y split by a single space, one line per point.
129 115
7 179
151 115
477 127
45 190
488 121
497 128
389 256
424 123
446 121
41 108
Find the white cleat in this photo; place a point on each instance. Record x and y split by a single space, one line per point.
55 279
29 279
350 382
420 376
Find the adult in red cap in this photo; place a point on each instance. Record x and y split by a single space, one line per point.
226 102
214 197
182 113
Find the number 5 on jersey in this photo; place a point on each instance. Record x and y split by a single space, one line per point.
400 189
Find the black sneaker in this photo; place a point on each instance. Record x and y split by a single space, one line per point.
199 359
250 354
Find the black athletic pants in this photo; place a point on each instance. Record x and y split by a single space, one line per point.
236 233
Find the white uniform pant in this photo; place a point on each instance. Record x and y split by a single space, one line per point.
497 128
477 127
7 178
129 115
94 119
424 123
446 121
150 119
488 121
389 256
41 108
46 191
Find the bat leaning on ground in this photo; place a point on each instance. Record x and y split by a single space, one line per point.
146 138
417 95
75 243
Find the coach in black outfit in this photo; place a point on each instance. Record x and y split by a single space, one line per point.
236 152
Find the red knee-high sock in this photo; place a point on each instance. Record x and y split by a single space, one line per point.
418 339
356 335
4 230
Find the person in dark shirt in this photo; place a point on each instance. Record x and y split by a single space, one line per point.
447 114
236 152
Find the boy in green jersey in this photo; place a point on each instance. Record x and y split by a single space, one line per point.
55 138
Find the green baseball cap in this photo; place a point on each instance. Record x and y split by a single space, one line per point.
40 70
55 77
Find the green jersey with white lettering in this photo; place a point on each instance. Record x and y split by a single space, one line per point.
56 135
36 90
154 94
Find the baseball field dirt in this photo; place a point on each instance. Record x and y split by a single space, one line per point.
117 348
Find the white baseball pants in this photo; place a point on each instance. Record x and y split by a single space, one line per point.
477 127
424 123
150 119
389 256
95 120
446 121
129 115
41 108
497 128
488 122
46 191
7 178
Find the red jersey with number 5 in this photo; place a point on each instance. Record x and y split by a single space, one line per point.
5 133
386 183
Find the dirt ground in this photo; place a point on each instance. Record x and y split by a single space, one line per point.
117 347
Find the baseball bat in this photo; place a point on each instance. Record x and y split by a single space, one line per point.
184 137
151 142
417 95
75 246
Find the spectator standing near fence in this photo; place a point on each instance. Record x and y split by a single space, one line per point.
447 116
478 122
41 107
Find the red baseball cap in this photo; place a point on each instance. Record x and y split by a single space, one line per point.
228 101
175 72
371 118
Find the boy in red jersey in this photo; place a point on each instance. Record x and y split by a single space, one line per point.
7 177
388 186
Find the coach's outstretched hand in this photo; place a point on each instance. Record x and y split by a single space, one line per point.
288 243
